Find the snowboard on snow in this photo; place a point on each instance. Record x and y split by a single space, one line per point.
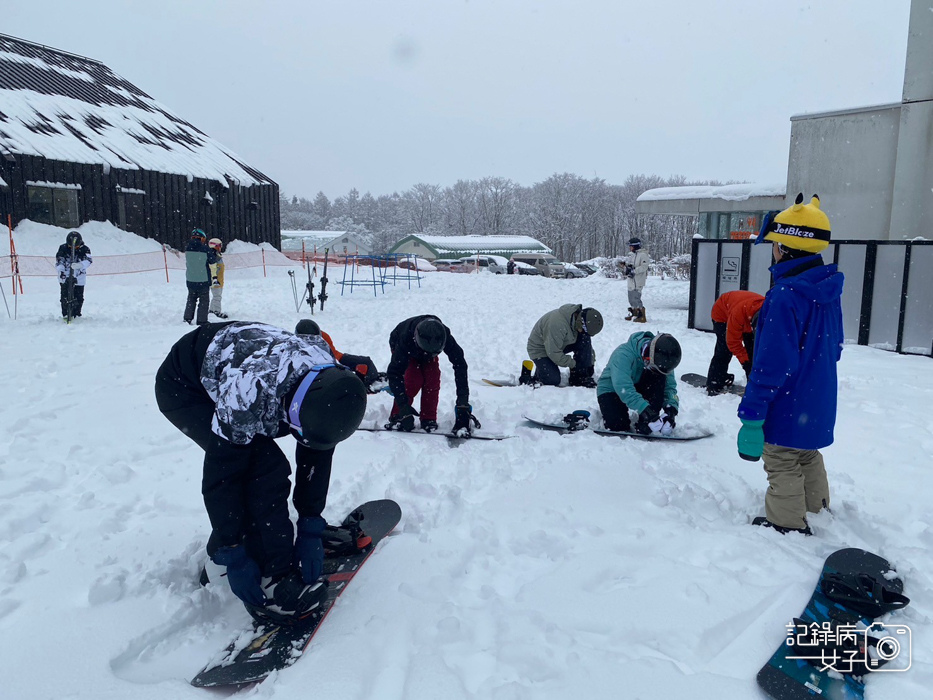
832 647
503 382
699 381
457 439
573 426
265 648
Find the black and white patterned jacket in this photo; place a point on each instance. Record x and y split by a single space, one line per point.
248 370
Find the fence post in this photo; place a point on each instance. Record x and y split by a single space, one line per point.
263 250
165 260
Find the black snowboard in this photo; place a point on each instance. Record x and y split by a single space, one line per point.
679 434
450 436
273 647
786 676
699 381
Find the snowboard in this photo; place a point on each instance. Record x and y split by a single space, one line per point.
502 382
267 647
437 433
793 675
679 434
699 381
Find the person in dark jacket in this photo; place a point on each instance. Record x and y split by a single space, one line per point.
788 411
72 261
561 338
734 317
416 344
233 388
198 261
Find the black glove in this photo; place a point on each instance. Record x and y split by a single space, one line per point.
403 420
649 415
465 420
669 414
747 366
309 548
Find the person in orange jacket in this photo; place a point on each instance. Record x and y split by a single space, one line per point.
735 315
361 364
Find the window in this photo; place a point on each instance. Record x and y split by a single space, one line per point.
53 203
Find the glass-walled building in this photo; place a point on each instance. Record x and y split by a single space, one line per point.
727 212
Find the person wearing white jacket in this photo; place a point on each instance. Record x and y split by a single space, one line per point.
72 261
636 269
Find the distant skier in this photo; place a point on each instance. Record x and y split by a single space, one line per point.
640 377
233 388
636 270
734 316
364 366
217 278
198 260
510 267
788 411
561 338
416 344
72 257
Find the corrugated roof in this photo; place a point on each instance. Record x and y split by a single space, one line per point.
61 106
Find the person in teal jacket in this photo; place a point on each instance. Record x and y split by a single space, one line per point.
639 376
788 411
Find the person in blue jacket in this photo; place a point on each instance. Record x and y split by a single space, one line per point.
789 409
639 376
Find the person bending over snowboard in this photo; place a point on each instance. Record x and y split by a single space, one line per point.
640 377
561 338
233 388
734 316
416 344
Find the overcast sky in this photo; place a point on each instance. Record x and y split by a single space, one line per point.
325 95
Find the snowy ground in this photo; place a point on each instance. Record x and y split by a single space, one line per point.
545 566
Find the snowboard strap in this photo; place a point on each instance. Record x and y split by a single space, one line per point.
578 420
863 594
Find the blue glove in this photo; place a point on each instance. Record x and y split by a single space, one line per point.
751 441
309 549
242 573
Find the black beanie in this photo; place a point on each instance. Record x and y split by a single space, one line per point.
307 326
332 409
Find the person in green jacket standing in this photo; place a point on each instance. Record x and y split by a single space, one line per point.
198 261
639 376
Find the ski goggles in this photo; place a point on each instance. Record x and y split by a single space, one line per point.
294 408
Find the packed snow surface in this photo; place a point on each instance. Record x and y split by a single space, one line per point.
544 566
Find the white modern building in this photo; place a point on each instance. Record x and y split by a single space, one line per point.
438 247
337 242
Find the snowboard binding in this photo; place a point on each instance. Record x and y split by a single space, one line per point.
578 420
863 594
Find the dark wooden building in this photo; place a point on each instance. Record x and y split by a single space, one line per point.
79 143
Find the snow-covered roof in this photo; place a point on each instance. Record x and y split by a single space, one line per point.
730 193
466 245
65 107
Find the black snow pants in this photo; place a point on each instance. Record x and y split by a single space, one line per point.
650 385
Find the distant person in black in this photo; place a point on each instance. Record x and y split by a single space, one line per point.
416 344
72 257
510 267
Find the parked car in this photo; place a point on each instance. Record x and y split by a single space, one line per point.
572 271
586 267
524 268
416 263
546 265
449 265
490 263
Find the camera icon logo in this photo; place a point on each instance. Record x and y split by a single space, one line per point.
887 647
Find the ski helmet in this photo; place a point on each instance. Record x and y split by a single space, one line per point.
307 326
73 239
198 233
592 321
327 406
431 336
215 243
635 243
663 353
